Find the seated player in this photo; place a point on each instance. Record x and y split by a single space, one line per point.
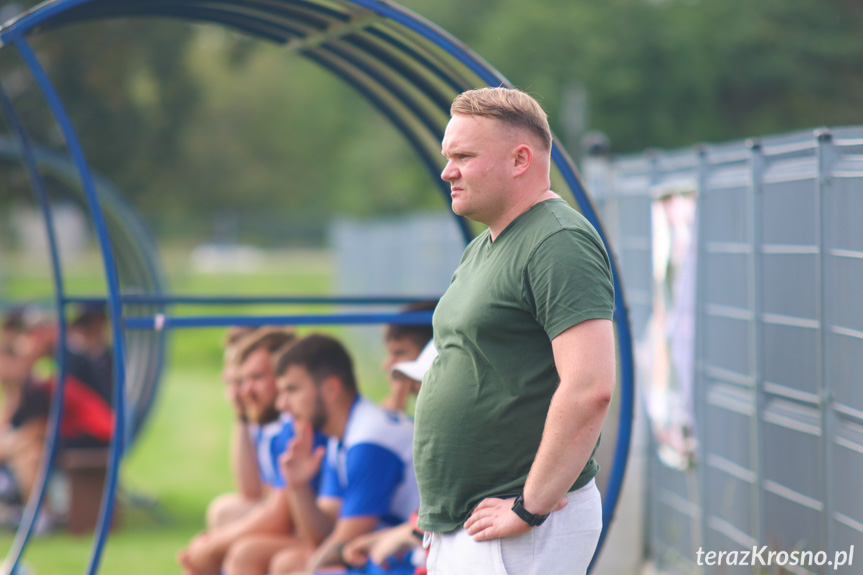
88 418
396 550
22 429
89 351
207 553
368 480
404 342
244 466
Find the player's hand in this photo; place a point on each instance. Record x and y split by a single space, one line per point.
392 541
301 461
494 518
400 388
356 551
232 393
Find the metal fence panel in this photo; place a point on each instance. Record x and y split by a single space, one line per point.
778 361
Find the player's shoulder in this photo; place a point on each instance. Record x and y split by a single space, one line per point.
370 423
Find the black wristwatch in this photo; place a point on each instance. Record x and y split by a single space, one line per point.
531 519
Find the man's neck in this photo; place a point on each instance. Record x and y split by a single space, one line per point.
337 419
517 209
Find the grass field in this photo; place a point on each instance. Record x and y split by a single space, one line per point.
181 458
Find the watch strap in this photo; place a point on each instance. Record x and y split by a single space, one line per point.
531 519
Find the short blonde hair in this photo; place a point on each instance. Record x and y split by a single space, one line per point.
233 338
507 105
268 338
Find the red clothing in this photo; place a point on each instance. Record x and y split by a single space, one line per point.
85 413
414 519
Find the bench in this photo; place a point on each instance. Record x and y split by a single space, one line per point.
85 471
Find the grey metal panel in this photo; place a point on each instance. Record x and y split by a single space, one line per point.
779 380
674 527
845 356
729 408
792 491
635 258
790 526
634 214
790 212
792 431
727 215
676 520
790 284
787 356
638 316
718 539
727 341
845 206
634 252
725 279
413 256
846 281
729 505
844 537
845 480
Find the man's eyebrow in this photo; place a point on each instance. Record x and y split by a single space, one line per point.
454 152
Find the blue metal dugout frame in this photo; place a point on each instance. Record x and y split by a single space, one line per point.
406 67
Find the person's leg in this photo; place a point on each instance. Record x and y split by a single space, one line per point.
203 556
290 559
26 458
252 555
226 508
457 552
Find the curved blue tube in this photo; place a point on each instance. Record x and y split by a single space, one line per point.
165 322
253 300
114 305
49 450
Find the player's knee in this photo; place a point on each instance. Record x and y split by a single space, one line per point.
244 557
288 560
226 508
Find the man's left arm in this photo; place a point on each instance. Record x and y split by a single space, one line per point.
585 358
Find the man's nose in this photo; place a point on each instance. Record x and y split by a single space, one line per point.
448 173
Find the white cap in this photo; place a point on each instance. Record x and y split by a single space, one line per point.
417 368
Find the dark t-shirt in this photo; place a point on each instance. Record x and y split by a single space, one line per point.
482 405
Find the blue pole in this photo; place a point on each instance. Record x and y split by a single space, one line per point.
160 322
252 300
49 450
114 304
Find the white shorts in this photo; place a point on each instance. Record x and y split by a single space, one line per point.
563 545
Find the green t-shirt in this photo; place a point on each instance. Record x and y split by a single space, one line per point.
482 406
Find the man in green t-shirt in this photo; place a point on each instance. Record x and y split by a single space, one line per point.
509 415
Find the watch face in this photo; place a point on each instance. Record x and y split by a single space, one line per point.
531 519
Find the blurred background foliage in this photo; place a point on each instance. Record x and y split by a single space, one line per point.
193 119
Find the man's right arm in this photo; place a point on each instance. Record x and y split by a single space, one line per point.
244 462
313 516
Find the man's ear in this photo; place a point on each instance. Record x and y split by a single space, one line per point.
331 387
522 158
